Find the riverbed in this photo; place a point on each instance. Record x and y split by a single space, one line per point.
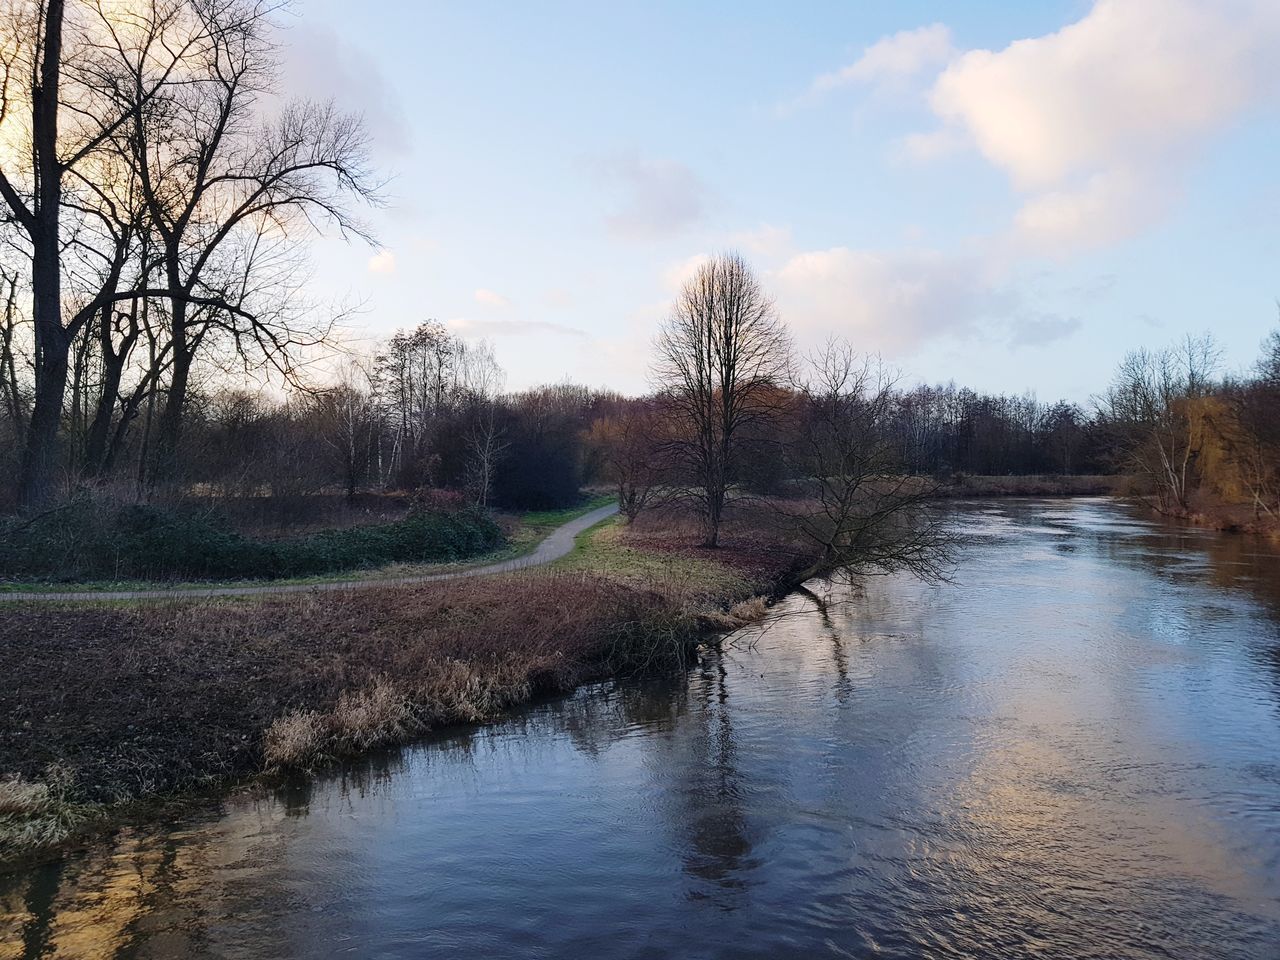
1070 750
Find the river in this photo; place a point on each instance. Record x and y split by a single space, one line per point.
1072 750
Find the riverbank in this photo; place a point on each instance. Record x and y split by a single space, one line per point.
1214 514
110 705
1041 485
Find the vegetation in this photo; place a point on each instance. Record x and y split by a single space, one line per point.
1206 447
139 700
82 541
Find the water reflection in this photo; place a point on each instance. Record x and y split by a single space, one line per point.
1074 750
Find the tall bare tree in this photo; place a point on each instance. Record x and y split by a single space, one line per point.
63 65
722 356
230 196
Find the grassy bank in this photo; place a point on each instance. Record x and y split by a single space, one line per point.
111 704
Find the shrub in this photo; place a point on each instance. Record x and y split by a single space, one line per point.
87 540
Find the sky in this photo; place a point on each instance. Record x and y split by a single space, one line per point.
1007 195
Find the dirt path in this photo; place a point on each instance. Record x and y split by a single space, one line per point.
555 546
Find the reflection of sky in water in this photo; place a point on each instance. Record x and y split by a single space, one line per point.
1072 750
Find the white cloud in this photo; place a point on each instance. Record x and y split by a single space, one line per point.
491 299
893 59
765 241
384 261
927 147
1096 122
1106 208
885 301
661 197
674 277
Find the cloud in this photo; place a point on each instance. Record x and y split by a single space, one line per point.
930 146
319 64
384 261
512 328
661 197
1097 122
1041 330
491 299
892 59
766 241
886 301
675 275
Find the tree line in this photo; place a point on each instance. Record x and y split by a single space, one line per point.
159 200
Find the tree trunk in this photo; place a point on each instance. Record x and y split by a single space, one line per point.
169 428
40 454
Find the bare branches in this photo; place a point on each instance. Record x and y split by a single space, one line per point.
722 357
1148 409
865 512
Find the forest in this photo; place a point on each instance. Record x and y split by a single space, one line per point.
157 345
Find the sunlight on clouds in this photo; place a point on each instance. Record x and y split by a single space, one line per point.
1114 102
384 261
1106 208
675 276
885 301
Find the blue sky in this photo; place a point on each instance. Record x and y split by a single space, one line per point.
1007 195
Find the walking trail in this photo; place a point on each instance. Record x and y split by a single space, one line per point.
558 543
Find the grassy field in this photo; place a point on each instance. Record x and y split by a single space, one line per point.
107 705
522 532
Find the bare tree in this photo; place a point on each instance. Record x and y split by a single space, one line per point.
722 354
65 63
627 443
230 195
349 424
1149 410
870 514
480 380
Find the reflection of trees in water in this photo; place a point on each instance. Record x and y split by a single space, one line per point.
839 658
38 900
111 900
718 842
1229 564
594 720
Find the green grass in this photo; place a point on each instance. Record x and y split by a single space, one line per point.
604 550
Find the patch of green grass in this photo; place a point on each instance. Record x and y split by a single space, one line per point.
604 550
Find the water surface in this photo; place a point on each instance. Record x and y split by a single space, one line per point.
1071 751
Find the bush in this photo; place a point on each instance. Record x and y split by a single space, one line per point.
84 540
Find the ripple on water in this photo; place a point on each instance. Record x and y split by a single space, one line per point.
1071 751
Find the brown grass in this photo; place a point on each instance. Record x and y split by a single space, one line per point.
131 701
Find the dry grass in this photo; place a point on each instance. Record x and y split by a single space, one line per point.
36 815
138 700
